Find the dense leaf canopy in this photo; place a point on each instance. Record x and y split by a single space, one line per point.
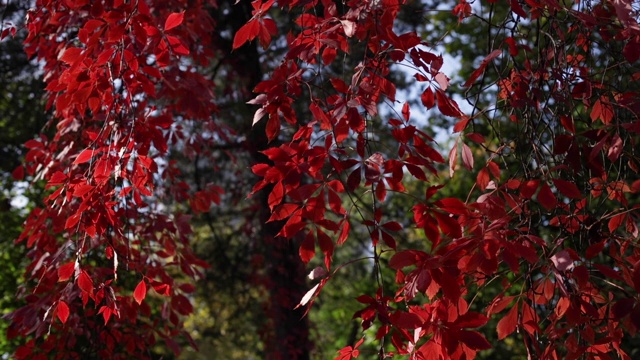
520 229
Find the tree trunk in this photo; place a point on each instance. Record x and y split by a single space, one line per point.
287 335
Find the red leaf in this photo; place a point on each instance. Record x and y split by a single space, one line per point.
85 283
475 137
622 308
65 271
452 206
483 178
546 198
247 32
461 125
354 179
106 313
602 110
508 323
513 47
498 304
162 289
471 320
62 311
616 221
283 211
276 195
326 246
528 188
392 226
339 85
474 340
406 111
307 248
567 188
594 249
427 98
173 20
177 46
18 173
267 28
453 157
448 283
85 156
70 55
140 292
494 54
447 106
567 123
405 258
467 157
405 320
518 10
344 232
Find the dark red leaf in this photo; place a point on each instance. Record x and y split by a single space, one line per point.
392 226
622 308
475 137
405 320
452 206
354 179
616 221
507 325
428 100
546 197
447 106
307 248
567 123
18 173
471 320
405 258
528 188
161 288
594 249
326 246
474 340
567 188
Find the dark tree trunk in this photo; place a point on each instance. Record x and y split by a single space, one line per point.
287 334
